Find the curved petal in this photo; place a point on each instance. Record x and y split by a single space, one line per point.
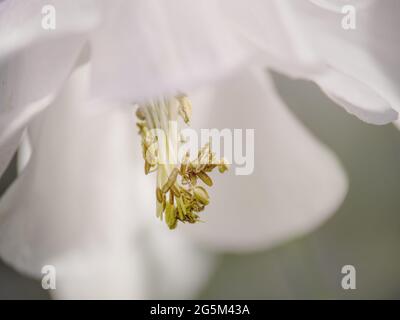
80 204
21 22
29 81
362 76
172 45
358 68
156 264
337 5
297 183
34 62
271 27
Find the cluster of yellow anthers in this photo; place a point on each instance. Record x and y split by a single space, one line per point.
179 196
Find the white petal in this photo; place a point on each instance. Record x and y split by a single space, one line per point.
28 83
82 204
297 183
146 48
156 264
337 5
21 22
271 27
359 67
356 97
179 269
99 274
35 62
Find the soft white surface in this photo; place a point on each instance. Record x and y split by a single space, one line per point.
297 183
35 62
360 67
145 48
357 68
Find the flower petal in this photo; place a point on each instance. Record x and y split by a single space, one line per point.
297 183
21 22
81 204
337 5
156 264
147 48
361 69
35 62
270 26
358 68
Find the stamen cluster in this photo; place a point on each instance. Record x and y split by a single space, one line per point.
179 196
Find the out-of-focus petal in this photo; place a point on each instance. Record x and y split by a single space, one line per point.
177 267
358 68
81 204
29 81
297 183
361 71
21 22
155 264
146 48
271 27
114 273
337 5
34 62
356 97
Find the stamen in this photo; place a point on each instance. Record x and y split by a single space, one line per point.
159 195
171 180
179 198
201 194
205 178
223 166
185 108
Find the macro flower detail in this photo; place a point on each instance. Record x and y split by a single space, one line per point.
179 197
81 201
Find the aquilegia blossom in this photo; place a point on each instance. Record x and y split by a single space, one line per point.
82 201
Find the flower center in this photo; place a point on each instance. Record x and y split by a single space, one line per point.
179 195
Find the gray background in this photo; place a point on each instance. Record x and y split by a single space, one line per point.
364 232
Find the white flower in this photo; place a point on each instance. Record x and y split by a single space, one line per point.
82 202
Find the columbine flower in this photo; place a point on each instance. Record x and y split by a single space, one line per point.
82 202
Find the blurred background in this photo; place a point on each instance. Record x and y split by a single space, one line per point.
364 232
